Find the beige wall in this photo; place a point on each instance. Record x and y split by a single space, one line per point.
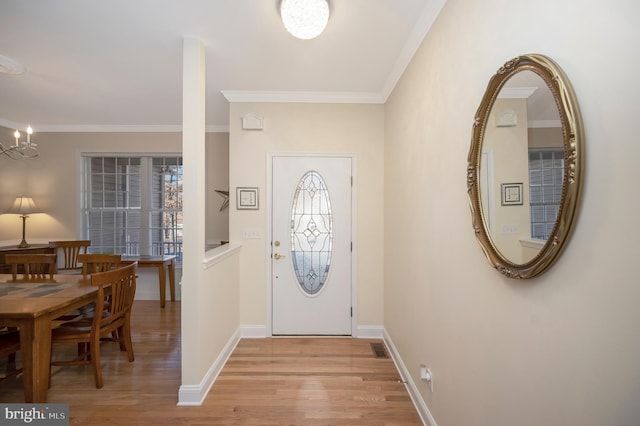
545 137
308 128
53 179
210 325
509 147
560 349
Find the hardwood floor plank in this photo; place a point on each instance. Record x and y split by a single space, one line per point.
276 381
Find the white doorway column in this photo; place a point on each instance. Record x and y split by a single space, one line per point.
193 155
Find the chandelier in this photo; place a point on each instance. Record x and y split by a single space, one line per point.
21 149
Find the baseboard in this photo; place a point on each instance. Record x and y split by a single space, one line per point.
362 332
193 395
253 331
416 397
369 332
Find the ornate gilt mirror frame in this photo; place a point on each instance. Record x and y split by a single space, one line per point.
573 146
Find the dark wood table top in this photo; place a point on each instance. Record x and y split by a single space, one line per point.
148 259
33 299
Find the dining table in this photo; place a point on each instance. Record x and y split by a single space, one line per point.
166 266
33 307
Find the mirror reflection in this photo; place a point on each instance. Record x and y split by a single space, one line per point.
522 167
525 166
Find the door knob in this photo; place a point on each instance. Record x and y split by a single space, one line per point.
278 256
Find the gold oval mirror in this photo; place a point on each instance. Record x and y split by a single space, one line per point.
525 166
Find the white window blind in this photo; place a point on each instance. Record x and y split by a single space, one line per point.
132 205
546 171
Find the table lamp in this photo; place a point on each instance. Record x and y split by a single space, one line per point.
23 206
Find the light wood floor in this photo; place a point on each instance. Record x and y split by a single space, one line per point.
279 381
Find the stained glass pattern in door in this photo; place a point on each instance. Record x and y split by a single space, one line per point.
311 233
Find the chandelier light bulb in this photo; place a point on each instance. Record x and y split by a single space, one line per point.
21 149
304 19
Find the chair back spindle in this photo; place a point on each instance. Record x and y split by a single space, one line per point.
70 252
96 262
35 267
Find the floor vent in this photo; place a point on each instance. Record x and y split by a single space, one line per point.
378 350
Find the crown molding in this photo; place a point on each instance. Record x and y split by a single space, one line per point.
115 128
418 33
12 124
217 128
303 97
110 128
516 92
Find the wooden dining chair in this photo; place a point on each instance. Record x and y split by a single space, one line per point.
9 345
35 267
91 264
97 262
70 251
120 284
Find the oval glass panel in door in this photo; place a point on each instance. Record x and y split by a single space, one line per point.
311 233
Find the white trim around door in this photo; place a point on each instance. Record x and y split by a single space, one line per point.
269 236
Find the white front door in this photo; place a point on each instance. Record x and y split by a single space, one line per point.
311 245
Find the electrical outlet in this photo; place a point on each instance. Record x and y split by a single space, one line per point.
426 376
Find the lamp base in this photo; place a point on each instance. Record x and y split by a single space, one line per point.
23 243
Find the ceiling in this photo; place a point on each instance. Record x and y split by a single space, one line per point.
117 65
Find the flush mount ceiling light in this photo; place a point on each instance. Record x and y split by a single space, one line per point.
304 19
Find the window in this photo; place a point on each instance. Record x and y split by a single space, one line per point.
546 170
311 232
133 205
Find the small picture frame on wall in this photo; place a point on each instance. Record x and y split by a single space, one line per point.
247 198
511 194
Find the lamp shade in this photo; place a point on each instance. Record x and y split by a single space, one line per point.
304 19
23 205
